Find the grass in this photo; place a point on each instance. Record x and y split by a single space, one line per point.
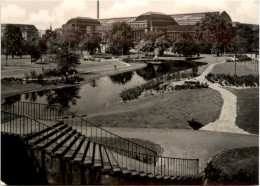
247 109
124 145
241 68
168 110
238 166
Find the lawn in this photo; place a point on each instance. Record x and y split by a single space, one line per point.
247 109
168 110
241 68
122 144
237 166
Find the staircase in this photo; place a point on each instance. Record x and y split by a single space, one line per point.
88 148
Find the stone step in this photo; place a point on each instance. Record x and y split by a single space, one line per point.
78 147
46 135
68 148
53 140
53 148
43 131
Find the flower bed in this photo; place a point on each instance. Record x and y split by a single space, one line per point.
51 77
238 81
161 83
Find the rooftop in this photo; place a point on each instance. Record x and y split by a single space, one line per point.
84 21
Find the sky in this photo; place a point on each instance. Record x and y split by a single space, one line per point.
42 14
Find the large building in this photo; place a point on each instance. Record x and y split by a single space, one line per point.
172 24
28 31
83 23
193 18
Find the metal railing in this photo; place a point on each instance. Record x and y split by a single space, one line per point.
91 131
118 158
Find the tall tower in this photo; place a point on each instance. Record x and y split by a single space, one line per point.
97 9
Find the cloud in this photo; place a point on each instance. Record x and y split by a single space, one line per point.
58 15
250 12
125 7
12 13
42 18
44 13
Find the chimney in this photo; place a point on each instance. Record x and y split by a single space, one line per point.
97 9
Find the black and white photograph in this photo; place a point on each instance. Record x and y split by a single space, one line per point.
129 92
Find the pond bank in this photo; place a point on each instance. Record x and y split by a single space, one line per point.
15 88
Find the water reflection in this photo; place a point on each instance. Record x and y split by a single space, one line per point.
152 71
122 78
91 97
12 99
64 97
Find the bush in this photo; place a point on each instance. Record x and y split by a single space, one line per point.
26 76
33 74
222 79
212 173
195 124
128 59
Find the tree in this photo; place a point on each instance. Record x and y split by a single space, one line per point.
70 37
91 41
50 41
215 32
31 48
147 44
42 47
12 41
119 37
162 43
67 60
185 45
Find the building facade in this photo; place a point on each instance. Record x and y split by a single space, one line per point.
172 24
83 23
28 31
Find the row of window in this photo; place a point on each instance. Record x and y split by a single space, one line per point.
137 25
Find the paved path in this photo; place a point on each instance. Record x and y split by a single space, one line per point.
227 119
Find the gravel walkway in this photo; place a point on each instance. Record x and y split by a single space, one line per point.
227 119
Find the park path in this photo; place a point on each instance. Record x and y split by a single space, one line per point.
227 119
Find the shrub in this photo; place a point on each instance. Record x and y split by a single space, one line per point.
127 59
26 76
195 124
212 173
222 79
33 74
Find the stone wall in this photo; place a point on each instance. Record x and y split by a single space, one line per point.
22 164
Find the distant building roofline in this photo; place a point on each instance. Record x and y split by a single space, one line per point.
118 18
194 13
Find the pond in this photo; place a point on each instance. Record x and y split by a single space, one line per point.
90 97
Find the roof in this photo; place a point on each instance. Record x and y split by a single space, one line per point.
21 26
84 21
151 13
181 19
111 20
189 18
156 17
180 28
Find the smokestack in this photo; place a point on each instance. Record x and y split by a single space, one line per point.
97 9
